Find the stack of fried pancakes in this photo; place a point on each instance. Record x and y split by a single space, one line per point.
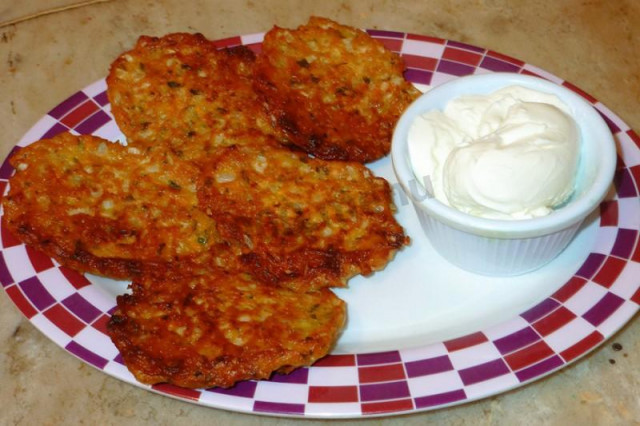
239 199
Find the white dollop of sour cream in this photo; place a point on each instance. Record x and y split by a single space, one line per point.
511 154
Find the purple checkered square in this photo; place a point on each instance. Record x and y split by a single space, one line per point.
101 98
37 293
540 310
455 68
86 355
81 308
386 34
623 181
55 130
428 366
379 358
6 170
517 340
440 399
278 407
383 391
591 265
483 372
419 76
625 242
498 65
5 275
93 123
540 368
245 389
603 309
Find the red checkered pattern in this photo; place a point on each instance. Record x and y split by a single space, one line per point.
64 320
463 56
466 341
553 321
18 298
582 347
505 58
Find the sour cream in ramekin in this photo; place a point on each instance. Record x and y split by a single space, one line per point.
506 247
509 154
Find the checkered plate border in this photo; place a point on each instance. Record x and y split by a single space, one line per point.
600 297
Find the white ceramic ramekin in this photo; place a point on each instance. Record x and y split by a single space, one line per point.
507 247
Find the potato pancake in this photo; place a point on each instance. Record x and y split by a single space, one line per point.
232 240
103 208
179 92
333 90
300 222
220 329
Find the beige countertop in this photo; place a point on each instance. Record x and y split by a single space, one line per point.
49 56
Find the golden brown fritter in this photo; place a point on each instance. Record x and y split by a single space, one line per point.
220 329
301 222
179 92
231 239
333 90
107 209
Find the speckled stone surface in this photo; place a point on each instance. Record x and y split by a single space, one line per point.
43 60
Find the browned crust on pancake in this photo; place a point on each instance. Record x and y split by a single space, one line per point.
301 221
100 207
230 238
179 92
333 90
220 329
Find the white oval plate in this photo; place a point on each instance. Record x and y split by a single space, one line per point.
422 334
